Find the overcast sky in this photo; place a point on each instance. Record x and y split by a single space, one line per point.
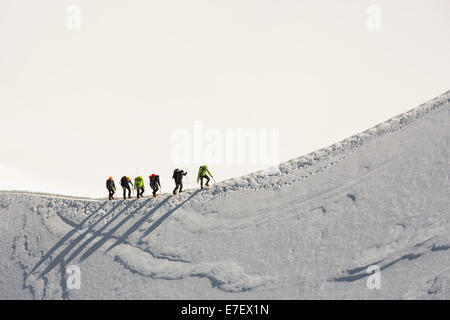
80 105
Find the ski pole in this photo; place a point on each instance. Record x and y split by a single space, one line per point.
214 180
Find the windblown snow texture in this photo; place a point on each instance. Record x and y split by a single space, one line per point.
308 228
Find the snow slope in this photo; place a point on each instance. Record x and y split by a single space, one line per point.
306 229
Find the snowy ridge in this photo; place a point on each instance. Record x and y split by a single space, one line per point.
46 194
380 199
329 155
334 153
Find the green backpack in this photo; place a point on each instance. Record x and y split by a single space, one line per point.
139 182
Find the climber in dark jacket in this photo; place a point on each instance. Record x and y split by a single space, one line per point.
111 186
126 184
178 177
154 184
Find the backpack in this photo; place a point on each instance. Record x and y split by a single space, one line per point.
175 173
109 184
139 182
153 180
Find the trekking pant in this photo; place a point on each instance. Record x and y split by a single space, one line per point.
111 194
125 192
178 184
201 181
155 189
140 192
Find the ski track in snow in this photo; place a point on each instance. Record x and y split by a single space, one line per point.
427 247
226 275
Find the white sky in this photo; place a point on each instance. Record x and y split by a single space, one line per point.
78 106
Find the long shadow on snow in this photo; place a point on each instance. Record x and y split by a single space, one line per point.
60 257
167 214
135 226
110 233
97 233
64 239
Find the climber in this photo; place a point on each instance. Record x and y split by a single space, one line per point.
111 186
139 186
154 184
178 177
203 174
125 182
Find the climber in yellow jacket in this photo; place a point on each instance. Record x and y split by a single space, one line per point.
139 186
203 173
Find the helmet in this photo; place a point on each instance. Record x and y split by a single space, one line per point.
128 179
111 178
153 175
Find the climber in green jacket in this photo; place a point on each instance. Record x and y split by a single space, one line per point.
139 186
203 174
